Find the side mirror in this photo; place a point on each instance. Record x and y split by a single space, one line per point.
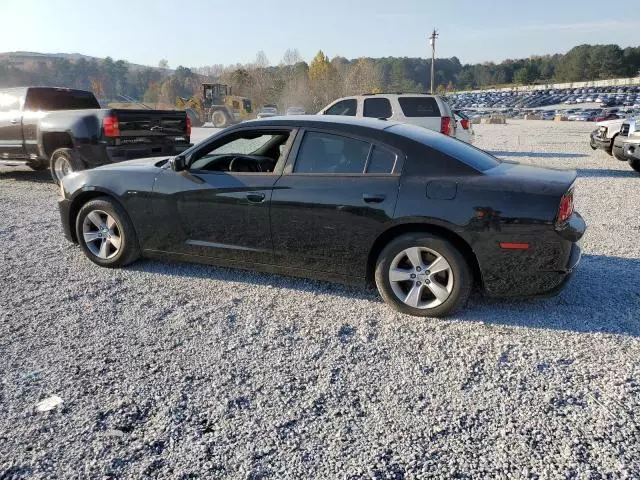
179 163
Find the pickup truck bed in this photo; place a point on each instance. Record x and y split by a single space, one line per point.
39 126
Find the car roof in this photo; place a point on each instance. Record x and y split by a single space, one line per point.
321 120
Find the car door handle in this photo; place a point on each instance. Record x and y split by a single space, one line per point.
14 121
255 197
373 198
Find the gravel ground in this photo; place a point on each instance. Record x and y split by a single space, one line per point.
187 371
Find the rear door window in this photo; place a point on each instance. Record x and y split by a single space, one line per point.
51 99
377 108
419 106
331 154
347 107
381 161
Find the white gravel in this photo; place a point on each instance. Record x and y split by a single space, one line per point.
187 371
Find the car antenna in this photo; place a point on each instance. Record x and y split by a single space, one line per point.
133 100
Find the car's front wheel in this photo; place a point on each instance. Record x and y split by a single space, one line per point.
423 275
106 234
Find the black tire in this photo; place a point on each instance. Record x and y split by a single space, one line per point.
38 166
618 154
68 156
220 118
635 164
462 275
129 250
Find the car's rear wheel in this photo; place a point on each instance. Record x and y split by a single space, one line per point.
106 234
635 164
423 275
63 162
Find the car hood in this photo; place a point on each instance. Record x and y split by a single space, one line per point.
152 162
611 123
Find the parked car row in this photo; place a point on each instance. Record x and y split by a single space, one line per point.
607 96
571 114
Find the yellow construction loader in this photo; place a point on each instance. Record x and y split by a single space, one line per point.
217 106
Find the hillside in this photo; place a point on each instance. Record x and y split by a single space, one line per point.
20 59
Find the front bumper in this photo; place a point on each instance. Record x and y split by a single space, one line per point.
64 206
631 149
599 142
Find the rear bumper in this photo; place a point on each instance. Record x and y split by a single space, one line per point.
517 282
131 152
96 155
64 206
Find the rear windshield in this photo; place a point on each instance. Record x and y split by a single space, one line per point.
59 99
465 153
419 106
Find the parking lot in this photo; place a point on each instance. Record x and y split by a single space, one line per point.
189 371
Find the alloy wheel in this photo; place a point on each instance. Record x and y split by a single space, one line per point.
102 234
421 278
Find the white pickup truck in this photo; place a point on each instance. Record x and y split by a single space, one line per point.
605 134
620 138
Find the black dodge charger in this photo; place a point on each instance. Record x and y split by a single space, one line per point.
424 216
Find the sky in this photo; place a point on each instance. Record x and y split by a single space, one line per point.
206 32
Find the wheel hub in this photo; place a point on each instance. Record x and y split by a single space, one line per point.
421 277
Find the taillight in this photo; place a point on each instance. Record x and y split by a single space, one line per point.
566 208
447 125
188 127
110 126
464 123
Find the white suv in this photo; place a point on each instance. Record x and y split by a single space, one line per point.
428 111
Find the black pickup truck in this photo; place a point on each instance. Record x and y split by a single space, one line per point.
65 130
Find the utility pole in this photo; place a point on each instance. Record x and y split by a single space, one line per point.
432 42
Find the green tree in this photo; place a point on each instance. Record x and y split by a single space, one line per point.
322 77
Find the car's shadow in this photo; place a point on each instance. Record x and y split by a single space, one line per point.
503 153
42 176
603 296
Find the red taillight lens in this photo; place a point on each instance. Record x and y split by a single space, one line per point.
566 208
464 123
111 126
188 127
447 125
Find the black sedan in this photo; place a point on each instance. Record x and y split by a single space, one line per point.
424 216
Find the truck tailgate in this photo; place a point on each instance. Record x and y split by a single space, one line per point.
151 123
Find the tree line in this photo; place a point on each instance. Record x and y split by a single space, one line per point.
294 82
